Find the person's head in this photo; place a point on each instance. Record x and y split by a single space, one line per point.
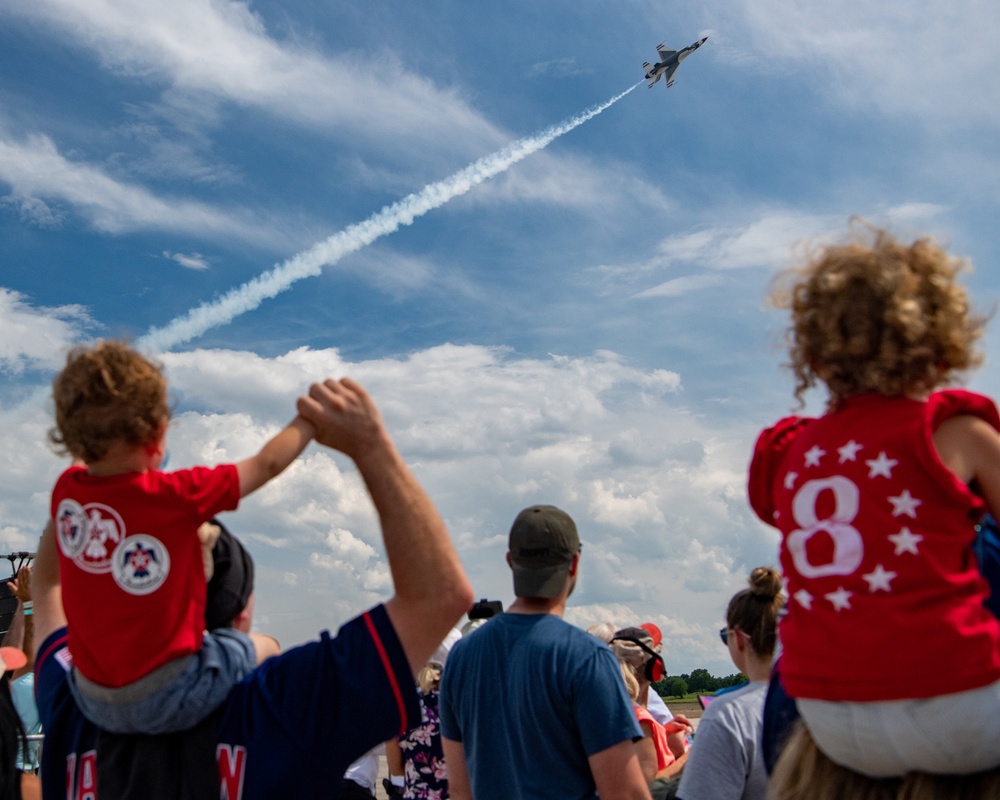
105 395
753 613
229 594
875 315
604 631
543 553
639 648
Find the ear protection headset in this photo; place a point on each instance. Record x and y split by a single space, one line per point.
655 670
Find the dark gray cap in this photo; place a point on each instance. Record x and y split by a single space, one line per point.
230 588
543 541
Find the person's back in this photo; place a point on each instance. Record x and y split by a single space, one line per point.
532 707
531 697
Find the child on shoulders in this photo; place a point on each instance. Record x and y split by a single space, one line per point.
132 562
877 502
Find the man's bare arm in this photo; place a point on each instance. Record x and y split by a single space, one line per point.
617 773
459 787
432 590
46 591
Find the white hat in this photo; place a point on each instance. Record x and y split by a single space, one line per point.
441 654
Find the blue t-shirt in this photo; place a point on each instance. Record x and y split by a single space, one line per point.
289 729
531 697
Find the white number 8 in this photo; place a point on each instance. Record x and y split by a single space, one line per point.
848 546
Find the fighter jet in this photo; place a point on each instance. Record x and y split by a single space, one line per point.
671 60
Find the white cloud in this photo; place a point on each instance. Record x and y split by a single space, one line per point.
886 55
770 239
676 287
190 261
222 48
36 337
35 168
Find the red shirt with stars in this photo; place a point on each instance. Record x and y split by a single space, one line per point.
133 579
885 595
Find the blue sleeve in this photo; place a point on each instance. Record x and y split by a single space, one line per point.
602 706
302 717
446 711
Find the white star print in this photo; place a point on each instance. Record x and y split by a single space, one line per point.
879 578
905 503
849 452
790 479
906 541
841 598
881 466
813 455
805 599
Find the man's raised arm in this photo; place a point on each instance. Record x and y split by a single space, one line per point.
432 590
46 591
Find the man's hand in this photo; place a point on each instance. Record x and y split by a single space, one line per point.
345 417
20 587
432 590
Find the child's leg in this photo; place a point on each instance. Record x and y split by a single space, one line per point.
175 697
266 646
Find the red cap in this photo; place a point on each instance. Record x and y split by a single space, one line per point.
11 658
653 631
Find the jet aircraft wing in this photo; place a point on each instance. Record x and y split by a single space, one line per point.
664 52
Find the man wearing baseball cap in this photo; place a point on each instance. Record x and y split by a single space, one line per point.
531 706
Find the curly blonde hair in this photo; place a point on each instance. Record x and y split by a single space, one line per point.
105 394
875 315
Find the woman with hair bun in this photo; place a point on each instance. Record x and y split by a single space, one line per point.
725 761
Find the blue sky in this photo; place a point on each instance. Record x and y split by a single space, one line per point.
587 328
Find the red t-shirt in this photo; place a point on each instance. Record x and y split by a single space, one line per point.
885 595
133 579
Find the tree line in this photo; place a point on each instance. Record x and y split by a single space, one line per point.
700 681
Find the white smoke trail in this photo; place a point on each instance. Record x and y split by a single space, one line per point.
311 262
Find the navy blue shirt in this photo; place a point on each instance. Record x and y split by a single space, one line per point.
290 728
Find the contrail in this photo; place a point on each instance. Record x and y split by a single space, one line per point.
329 251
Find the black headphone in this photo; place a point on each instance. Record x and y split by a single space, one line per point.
655 670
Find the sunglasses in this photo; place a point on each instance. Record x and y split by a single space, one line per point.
724 634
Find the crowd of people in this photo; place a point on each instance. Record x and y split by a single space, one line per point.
148 682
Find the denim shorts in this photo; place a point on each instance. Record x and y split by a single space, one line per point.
175 697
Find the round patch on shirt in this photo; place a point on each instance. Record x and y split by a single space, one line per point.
71 528
104 530
140 564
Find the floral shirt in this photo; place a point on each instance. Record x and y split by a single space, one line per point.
425 775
